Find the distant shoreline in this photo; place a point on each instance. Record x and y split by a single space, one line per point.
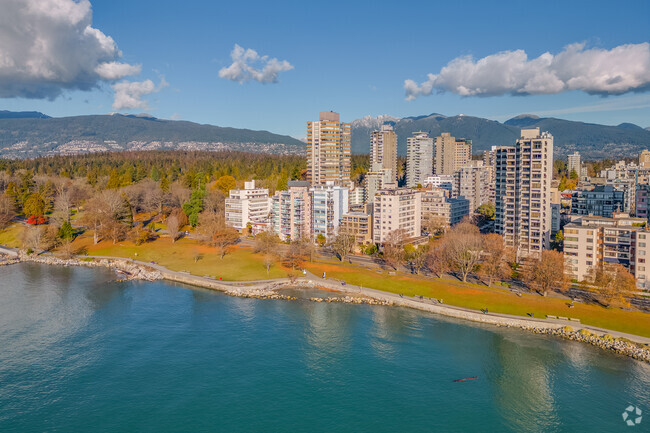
269 289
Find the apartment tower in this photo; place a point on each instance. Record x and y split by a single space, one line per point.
328 150
523 192
383 150
419 159
451 153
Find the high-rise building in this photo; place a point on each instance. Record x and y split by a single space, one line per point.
574 164
490 161
329 203
473 182
328 150
397 209
383 150
644 159
291 213
523 192
451 153
248 206
419 159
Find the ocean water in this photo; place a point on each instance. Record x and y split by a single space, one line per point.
82 352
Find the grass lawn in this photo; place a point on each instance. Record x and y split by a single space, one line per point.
475 296
10 236
239 264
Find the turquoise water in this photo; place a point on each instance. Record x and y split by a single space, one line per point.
82 352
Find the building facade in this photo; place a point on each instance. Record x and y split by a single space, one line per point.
574 164
329 203
523 184
473 182
328 150
451 153
593 241
419 159
436 203
250 205
359 225
397 209
383 151
291 215
601 201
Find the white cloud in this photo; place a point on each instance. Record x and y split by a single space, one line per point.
48 46
622 69
129 94
247 65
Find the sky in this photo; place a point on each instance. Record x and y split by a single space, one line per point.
275 65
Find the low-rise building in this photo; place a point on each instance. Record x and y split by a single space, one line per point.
593 241
444 181
436 203
359 225
247 206
397 209
601 201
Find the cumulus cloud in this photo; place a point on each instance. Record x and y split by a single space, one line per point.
129 94
622 69
247 65
48 46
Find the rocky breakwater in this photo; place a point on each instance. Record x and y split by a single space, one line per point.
124 268
352 300
263 293
604 341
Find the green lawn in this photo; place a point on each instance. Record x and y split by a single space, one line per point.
238 265
10 236
494 299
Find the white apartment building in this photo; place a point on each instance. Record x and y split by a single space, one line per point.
291 214
357 196
574 164
329 203
473 182
451 153
592 241
419 159
376 180
444 181
250 205
397 209
523 192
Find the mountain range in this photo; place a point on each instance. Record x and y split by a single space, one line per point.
32 134
593 141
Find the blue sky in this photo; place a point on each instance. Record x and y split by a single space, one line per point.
350 57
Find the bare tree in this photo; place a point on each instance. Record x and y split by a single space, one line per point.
496 258
394 248
435 258
294 255
612 282
266 242
178 194
175 222
342 244
213 230
547 273
463 248
269 260
434 224
7 211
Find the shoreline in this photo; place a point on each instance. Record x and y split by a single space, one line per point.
633 346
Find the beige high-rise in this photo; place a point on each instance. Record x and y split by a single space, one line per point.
383 150
328 150
523 192
451 153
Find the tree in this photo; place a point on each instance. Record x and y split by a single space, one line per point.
547 273
342 244
496 258
194 206
266 243
34 205
434 224
66 232
435 258
294 255
225 184
321 239
612 281
7 210
269 260
394 248
558 241
463 246
212 229
416 256
175 221
573 174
